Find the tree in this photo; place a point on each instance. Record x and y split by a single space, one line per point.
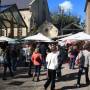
83 24
61 20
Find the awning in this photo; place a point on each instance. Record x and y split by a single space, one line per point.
10 14
78 36
4 38
38 37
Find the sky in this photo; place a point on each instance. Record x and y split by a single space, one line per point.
76 7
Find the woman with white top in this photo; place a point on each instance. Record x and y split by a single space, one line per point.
52 64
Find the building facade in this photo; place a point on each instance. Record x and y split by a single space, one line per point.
87 10
34 13
48 29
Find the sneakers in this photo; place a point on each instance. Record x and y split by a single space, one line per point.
33 79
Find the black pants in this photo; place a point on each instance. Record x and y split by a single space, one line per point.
72 63
51 79
30 67
14 63
5 69
80 73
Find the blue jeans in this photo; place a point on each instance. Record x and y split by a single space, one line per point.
37 69
72 63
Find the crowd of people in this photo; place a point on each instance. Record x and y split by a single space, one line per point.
51 56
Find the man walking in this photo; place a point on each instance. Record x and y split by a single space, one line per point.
84 57
7 63
52 64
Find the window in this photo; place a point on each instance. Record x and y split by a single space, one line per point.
46 30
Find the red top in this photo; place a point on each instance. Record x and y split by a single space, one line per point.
36 58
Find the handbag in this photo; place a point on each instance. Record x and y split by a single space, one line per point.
38 59
80 61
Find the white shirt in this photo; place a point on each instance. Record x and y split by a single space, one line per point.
52 60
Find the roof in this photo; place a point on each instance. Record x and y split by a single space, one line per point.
2 8
61 36
10 13
74 25
46 25
21 4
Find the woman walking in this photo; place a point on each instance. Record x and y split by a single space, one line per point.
36 59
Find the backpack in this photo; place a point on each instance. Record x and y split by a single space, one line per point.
38 59
82 60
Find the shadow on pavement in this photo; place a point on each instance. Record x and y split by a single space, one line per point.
20 70
22 76
69 77
17 83
72 87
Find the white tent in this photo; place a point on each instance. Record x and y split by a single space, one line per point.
78 36
4 38
38 37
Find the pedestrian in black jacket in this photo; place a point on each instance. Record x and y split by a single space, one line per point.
7 62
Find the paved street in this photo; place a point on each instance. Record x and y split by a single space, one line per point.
21 81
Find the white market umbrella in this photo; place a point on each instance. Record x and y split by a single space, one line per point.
4 38
78 36
38 37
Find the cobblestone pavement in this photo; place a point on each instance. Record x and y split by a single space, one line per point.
21 81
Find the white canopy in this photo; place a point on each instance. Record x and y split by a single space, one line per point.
78 36
38 37
3 38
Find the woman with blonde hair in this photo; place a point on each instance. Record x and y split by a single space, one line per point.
36 59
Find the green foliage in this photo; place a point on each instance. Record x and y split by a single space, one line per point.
61 20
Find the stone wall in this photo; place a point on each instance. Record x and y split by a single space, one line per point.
88 17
